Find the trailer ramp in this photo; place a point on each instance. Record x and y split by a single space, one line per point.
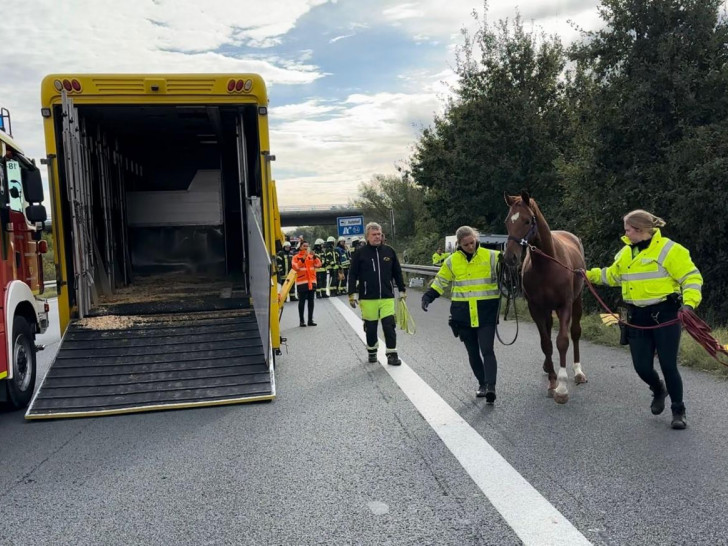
124 364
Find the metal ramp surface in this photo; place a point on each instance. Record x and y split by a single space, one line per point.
119 364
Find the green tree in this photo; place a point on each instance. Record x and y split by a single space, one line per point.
503 130
643 88
696 198
388 198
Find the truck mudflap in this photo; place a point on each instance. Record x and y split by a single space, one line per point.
125 364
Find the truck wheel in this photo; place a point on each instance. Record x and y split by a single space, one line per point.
20 387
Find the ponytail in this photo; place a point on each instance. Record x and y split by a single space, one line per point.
644 221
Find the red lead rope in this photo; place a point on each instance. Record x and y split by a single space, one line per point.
692 323
700 331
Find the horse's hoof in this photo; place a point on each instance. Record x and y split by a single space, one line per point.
561 398
551 393
580 378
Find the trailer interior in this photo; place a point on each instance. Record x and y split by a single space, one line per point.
165 203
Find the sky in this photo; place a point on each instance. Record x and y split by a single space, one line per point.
351 83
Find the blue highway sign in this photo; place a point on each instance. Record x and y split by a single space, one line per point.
350 225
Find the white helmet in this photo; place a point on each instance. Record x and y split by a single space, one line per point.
318 241
287 244
331 239
342 239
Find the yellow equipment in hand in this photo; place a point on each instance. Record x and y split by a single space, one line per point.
609 319
403 317
286 287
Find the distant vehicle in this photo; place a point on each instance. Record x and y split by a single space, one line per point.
486 240
24 314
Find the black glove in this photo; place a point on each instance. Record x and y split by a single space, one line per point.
426 300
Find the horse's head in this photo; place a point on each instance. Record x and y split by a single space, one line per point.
521 226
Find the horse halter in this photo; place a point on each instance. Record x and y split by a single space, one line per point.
531 232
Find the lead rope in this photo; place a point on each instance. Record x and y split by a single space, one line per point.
508 281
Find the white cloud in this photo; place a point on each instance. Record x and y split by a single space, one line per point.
342 37
438 20
136 36
364 136
309 109
403 11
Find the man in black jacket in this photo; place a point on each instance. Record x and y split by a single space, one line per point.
376 268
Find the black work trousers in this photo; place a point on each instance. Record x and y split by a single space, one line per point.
479 344
389 325
665 341
306 294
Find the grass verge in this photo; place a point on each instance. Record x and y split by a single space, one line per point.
691 354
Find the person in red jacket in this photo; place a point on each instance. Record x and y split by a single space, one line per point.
305 264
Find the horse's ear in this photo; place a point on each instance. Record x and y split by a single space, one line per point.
510 199
525 197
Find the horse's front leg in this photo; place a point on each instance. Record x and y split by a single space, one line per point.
544 322
561 394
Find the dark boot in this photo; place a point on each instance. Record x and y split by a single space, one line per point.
480 393
393 359
678 419
490 394
372 356
658 398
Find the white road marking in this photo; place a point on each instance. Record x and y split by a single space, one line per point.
378 508
527 512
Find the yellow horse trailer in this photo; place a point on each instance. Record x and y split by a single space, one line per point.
165 221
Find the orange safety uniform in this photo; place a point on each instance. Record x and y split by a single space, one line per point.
305 265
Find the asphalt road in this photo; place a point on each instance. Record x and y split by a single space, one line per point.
343 457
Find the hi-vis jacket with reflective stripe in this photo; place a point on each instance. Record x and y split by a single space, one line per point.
472 281
663 268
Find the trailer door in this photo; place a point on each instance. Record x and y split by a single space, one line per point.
256 261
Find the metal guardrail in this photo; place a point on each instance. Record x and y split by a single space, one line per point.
429 270
417 272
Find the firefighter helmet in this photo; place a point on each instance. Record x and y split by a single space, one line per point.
342 239
318 241
331 239
287 244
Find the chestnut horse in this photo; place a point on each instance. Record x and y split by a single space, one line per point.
548 286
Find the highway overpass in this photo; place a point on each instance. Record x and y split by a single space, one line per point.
317 215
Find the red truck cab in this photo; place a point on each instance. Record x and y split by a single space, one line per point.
23 313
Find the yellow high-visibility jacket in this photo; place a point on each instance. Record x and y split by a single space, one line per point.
649 277
437 258
472 281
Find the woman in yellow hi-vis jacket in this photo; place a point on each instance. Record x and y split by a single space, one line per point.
657 276
471 271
